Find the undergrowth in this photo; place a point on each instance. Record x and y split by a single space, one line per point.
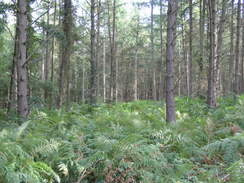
125 143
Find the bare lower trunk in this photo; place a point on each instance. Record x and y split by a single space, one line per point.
231 56
12 98
237 49
23 108
171 35
92 84
47 61
242 56
201 59
219 47
190 49
104 71
65 54
212 53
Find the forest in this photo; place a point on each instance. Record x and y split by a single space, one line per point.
121 91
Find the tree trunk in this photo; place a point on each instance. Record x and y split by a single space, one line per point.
98 46
212 53
22 83
190 49
171 35
52 54
135 85
154 95
113 54
219 46
237 49
231 56
65 54
161 63
47 60
104 71
242 57
201 26
92 84
13 80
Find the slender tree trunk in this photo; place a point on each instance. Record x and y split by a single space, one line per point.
201 26
231 62
162 64
135 85
171 35
92 85
65 54
154 95
104 71
190 49
52 54
212 59
219 46
242 56
113 54
98 46
13 80
237 49
83 81
22 75
47 59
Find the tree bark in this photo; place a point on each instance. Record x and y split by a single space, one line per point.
237 49
104 71
190 48
219 46
47 60
242 56
171 35
22 75
231 56
154 95
161 62
212 55
201 26
92 85
65 54
13 80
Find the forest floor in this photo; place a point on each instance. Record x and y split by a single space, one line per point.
125 143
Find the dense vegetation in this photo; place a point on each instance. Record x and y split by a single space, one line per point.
121 91
126 142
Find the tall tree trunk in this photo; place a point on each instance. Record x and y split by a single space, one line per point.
231 56
212 53
237 49
92 85
47 59
12 98
113 54
162 64
154 95
52 52
219 46
135 85
242 51
98 46
201 26
190 49
104 71
171 35
22 75
65 54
